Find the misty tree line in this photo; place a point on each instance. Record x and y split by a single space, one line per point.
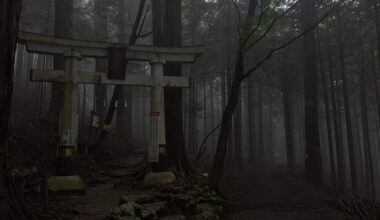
333 70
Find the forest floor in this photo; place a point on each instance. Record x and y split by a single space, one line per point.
262 193
270 193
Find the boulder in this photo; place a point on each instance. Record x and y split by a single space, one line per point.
66 183
158 179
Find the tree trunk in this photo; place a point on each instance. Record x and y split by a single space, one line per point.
337 125
100 24
288 119
217 170
63 27
313 164
327 112
221 151
371 192
204 111
237 145
112 105
167 29
9 20
346 98
251 119
125 99
261 153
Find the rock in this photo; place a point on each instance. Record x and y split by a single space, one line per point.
206 207
138 198
66 183
173 217
158 179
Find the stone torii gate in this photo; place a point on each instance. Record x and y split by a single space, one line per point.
73 50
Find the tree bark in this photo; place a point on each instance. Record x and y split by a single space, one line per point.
9 21
371 191
63 27
346 98
100 24
337 125
217 170
327 112
313 164
261 152
167 28
237 145
251 120
288 119
125 98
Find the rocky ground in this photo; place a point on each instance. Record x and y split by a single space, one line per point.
115 189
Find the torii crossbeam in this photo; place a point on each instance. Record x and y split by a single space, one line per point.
71 76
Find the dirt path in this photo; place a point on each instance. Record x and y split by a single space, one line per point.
270 193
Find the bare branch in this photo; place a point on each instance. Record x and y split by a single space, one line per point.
238 12
289 42
143 21
271 25
136 25
145 34
255 28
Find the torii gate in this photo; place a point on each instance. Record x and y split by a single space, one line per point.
71 76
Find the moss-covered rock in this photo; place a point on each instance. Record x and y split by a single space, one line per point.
158 179
66 183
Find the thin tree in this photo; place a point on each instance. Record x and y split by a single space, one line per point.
100 32
9 21
327 112
244 45
371 192
351 152
288 122
125 99
337 123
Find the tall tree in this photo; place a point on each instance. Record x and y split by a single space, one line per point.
63 27
347 109
251 120
371 189
233 99
167 28
287 118
337 123
100 24
327 112
313 164
9 21
125 99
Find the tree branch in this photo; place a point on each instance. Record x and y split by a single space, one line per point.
255 28
271 25
292 40
238 12
145 34
143 21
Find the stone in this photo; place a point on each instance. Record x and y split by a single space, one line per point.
173 217
66 183
158 179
